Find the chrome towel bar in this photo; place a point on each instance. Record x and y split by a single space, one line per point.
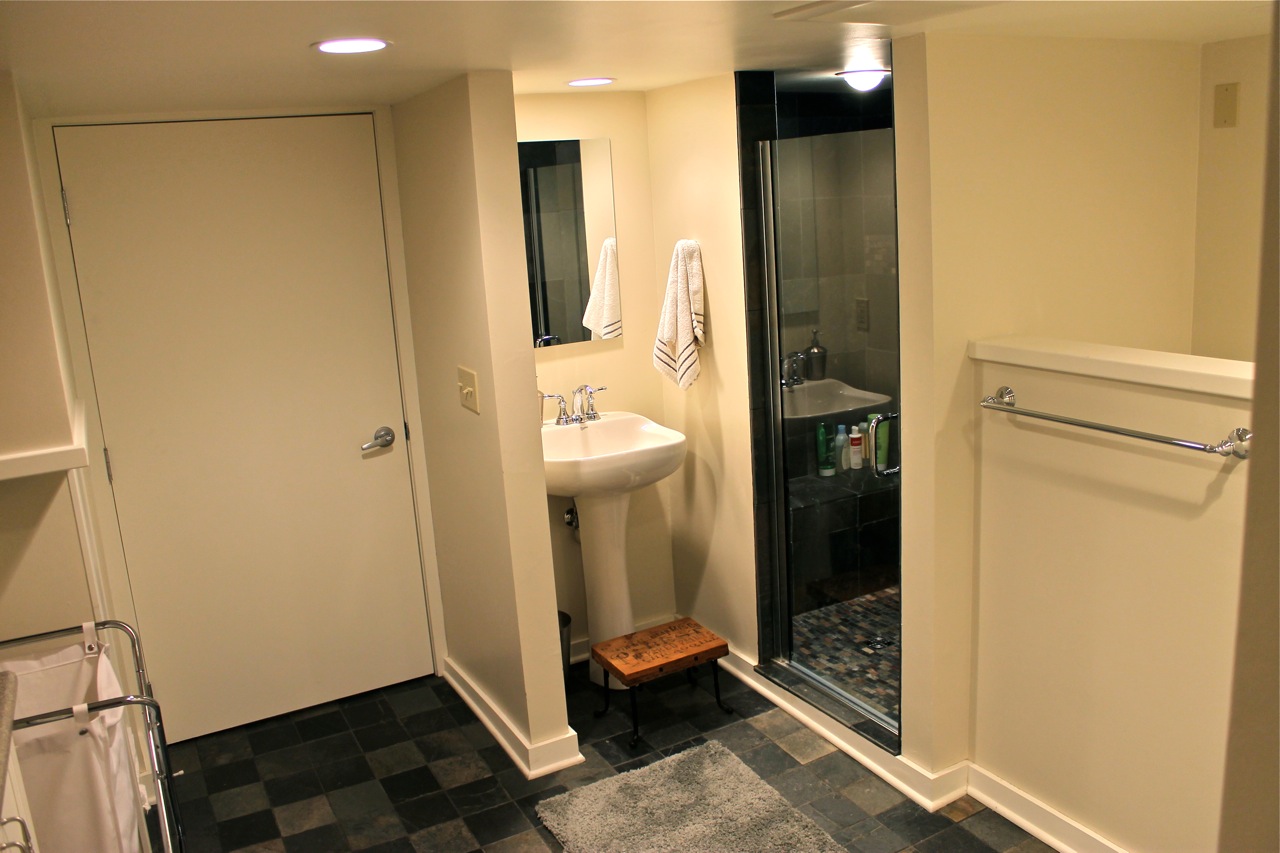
1235 444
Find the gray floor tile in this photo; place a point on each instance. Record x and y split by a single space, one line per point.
870 836
303 815
238 802
994 830
449 837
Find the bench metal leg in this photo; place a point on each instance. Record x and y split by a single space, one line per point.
635 719
715 679
607 691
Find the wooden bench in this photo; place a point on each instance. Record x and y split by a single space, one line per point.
636 658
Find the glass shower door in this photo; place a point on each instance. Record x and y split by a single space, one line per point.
834 312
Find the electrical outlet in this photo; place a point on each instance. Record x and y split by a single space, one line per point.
862 315
468 390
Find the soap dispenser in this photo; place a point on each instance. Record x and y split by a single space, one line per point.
815 359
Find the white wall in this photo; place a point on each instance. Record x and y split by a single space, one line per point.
456 159
42 579
1229 201
1108 582
34 411
1033 200
695 196
622 364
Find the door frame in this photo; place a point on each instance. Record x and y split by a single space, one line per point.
101 543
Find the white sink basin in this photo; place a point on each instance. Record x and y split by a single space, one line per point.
618 453
826 397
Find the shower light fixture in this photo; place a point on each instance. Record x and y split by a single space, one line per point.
351 45
592 81
863 79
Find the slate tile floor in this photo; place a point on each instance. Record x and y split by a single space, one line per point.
410 768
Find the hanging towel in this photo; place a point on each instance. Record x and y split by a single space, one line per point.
604 309
675 352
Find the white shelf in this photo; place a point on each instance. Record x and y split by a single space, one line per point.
48 460
1217 376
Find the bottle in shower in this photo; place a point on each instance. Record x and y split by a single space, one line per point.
826 447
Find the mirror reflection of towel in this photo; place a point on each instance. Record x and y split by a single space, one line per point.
675 352
604 308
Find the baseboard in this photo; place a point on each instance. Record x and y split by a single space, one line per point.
1043 821
533 759
928 789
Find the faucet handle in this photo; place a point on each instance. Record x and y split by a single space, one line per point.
562 417
591 414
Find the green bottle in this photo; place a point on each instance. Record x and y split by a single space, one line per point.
826 452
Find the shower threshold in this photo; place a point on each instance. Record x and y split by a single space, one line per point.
835 703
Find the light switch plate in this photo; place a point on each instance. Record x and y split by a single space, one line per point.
468 390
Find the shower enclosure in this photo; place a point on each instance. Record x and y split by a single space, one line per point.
829 351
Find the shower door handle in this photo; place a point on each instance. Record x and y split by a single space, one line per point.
871 439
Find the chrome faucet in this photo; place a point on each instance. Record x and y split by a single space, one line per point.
584 403
562 417
793 370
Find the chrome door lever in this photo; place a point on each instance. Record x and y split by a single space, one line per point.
382 437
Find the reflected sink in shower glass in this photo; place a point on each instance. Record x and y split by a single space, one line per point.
618 453
826 397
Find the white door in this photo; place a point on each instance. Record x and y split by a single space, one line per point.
233 277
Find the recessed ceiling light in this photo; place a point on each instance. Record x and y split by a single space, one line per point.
592 81
864 80
351 45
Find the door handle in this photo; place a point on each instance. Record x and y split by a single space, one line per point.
871 439
382 437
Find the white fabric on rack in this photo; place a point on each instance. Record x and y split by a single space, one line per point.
680 333
79 774
604 308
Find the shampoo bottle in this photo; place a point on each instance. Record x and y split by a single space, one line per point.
855 450
826 464
842 449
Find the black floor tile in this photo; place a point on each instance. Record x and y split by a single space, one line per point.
224 777
497 823
322 839
322 725
277 736
344 773
368 712
478 796
294 788
424 812
250 829
953 840
912 823
411 784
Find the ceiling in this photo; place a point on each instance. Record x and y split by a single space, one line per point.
121 56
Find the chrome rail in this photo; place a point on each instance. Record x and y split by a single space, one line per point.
1235 444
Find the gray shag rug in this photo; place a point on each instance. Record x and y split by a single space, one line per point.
702 799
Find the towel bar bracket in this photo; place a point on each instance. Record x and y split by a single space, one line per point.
1235 444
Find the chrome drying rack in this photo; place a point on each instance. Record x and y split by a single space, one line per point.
169 824
1235 444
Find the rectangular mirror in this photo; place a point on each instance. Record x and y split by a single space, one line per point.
566 188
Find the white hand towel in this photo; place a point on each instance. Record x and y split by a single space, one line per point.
604 309
675 352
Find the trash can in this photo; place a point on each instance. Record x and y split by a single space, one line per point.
565 621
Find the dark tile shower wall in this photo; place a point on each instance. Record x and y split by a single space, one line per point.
838 238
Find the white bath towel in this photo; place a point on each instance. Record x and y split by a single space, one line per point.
604 309
675 352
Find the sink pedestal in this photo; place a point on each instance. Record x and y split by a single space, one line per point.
602 525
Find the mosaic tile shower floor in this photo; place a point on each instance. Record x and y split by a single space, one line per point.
837 643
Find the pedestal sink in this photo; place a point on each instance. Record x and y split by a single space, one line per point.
598 464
